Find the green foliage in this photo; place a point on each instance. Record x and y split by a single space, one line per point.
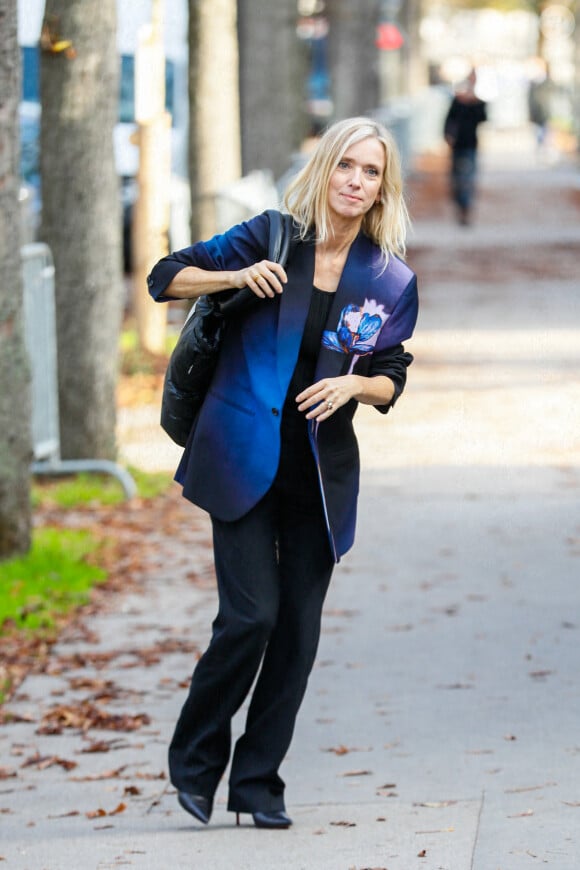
151 484
52 578
137 361
88 488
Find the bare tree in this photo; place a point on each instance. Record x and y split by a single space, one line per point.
214 117
272 84
81 219
353 56
15 451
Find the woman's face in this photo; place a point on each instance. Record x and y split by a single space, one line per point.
355 184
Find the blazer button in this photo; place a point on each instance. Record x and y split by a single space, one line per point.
275 412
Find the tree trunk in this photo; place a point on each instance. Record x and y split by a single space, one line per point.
272 84
15 450
81 216
353 56
150 236
214 141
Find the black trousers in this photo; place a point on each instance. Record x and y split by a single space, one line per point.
273 569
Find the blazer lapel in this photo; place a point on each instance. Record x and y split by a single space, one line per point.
294 304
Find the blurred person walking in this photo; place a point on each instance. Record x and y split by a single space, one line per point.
273 455
466 112
540 96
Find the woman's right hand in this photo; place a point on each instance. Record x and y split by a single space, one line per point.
265 278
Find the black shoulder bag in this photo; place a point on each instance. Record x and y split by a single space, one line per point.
194 358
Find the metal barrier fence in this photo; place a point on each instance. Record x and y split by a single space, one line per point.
40 337
40 334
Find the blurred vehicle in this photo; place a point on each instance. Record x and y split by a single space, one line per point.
130 18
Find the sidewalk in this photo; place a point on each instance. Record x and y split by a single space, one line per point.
440 727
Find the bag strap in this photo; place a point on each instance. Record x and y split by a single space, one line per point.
280 236
279 241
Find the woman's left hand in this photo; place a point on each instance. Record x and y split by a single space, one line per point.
323 398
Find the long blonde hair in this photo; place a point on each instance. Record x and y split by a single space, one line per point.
306 197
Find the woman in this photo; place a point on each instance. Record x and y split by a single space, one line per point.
273 457
465 114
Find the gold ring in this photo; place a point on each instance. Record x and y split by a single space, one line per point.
256 276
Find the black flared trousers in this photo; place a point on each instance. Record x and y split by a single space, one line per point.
273 568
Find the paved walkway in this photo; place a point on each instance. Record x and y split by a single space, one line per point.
440 729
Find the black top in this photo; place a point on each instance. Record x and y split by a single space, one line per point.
297 473
297 470
462 121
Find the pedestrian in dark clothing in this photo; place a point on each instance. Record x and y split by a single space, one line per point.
539 103
273 456
465 114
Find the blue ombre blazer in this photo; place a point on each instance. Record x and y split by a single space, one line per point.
232 455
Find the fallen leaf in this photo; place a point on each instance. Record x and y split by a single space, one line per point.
344 824
456 686
42 762
530 788
436 804
7 773
522 815
357 773
9 718
96 814
95 777
86 715
161 775
107 745
337 612
422 853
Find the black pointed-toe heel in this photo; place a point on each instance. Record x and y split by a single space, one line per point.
275 819
197 805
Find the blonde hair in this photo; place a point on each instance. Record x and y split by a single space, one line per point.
306 197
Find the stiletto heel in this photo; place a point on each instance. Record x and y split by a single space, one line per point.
272 819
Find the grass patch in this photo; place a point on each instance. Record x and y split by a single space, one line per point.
54 577
41 590
95 489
